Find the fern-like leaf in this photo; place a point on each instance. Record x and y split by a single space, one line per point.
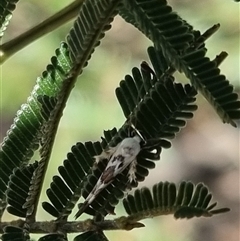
24 135
153 102
157 21
65 189
93 20
91 236
12 233
6 9
162 112
186 202
206 77
53 237
175 38
166 104
18 188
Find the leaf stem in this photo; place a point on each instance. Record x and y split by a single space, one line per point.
13 46
41 227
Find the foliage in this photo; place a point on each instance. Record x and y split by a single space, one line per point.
156 107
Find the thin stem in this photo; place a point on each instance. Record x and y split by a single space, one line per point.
121 223
13 46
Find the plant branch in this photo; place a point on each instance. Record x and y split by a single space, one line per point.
122 223
13 46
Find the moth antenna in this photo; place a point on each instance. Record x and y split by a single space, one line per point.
138 133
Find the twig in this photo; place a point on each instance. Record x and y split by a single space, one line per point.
13 46
122 223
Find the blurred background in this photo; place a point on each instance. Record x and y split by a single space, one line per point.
205 151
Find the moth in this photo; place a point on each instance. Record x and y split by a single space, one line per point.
124 155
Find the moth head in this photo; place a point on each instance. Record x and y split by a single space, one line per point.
130 147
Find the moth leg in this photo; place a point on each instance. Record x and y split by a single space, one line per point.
132 170
106 154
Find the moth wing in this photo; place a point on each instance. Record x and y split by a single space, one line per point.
106 154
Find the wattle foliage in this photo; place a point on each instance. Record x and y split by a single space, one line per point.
156 107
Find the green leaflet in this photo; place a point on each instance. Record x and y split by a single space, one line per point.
6 9
23 137
176 38
93 20
14 233
158 108
187 201
91 236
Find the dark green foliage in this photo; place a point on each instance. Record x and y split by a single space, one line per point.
177 104
12 233
18 188
187 202
213 85
155 105
177 40
159 23
157 115
53 237
64 191
91 23
48 104
6 9
91 236
24 136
